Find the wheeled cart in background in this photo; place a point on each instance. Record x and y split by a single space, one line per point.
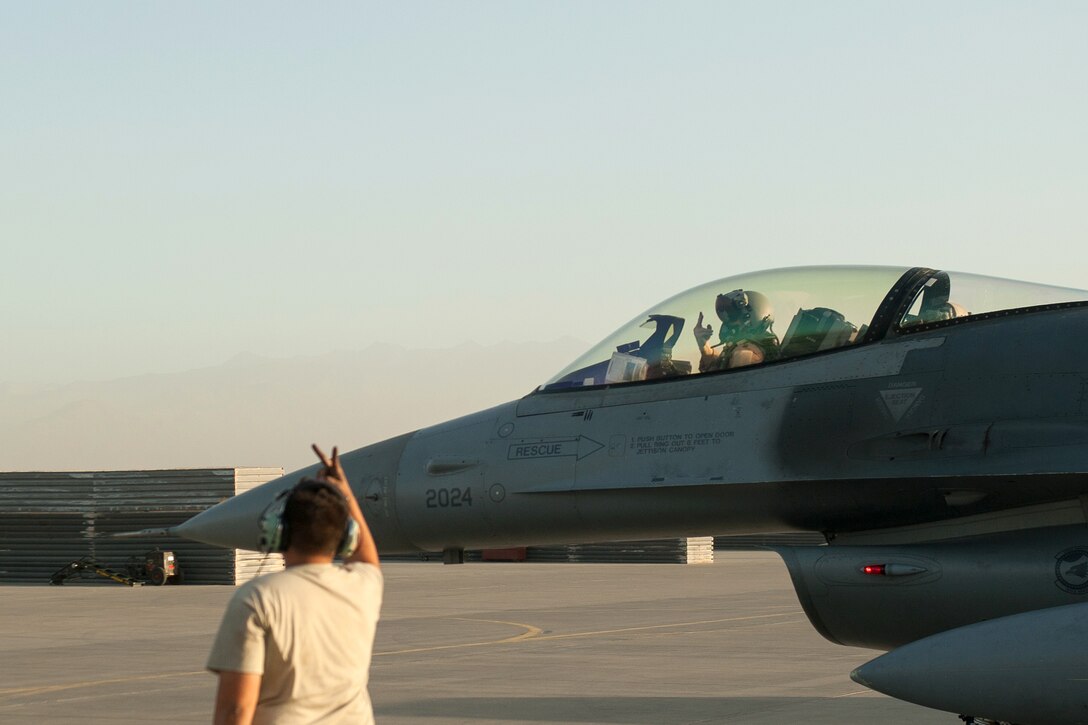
155 567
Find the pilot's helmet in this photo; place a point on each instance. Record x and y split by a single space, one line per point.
938 313
744 310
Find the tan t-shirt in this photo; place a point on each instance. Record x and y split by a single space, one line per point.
308 630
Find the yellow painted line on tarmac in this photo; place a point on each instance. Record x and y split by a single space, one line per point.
535 634
723 629
778 624
529 633
601 632
13 691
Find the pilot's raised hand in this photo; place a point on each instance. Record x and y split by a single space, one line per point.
702 332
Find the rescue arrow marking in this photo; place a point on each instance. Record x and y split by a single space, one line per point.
579 447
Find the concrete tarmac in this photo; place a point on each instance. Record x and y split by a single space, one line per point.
607 644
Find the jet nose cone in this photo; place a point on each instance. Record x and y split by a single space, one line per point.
235 523
913 672
1024 668
871 675
372 473
858 677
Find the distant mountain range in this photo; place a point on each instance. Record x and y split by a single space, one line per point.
263 411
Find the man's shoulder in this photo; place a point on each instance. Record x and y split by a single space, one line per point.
363 580
328 573
259 586
360 567
266 580
361 572
354 582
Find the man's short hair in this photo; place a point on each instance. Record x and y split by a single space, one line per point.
315 517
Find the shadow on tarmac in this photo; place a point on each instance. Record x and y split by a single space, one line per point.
629 710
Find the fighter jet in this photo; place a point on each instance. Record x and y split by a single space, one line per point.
932 425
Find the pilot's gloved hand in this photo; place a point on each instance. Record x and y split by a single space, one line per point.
702 332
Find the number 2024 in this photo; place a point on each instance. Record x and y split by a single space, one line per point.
448 497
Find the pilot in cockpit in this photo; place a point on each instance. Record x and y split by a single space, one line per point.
935 305
745 337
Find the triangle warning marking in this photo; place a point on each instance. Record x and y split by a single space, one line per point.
899 400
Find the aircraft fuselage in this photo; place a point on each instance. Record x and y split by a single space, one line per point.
915 428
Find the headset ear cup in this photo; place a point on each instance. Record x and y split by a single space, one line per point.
274 534
349 540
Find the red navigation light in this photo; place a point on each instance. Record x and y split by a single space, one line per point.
873 569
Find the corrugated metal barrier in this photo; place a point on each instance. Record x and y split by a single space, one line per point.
692 550
758 541
49 519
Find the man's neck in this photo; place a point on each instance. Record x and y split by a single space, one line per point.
292 557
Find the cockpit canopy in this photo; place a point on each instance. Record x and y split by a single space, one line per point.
764 317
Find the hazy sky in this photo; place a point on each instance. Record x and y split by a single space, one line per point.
183 182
